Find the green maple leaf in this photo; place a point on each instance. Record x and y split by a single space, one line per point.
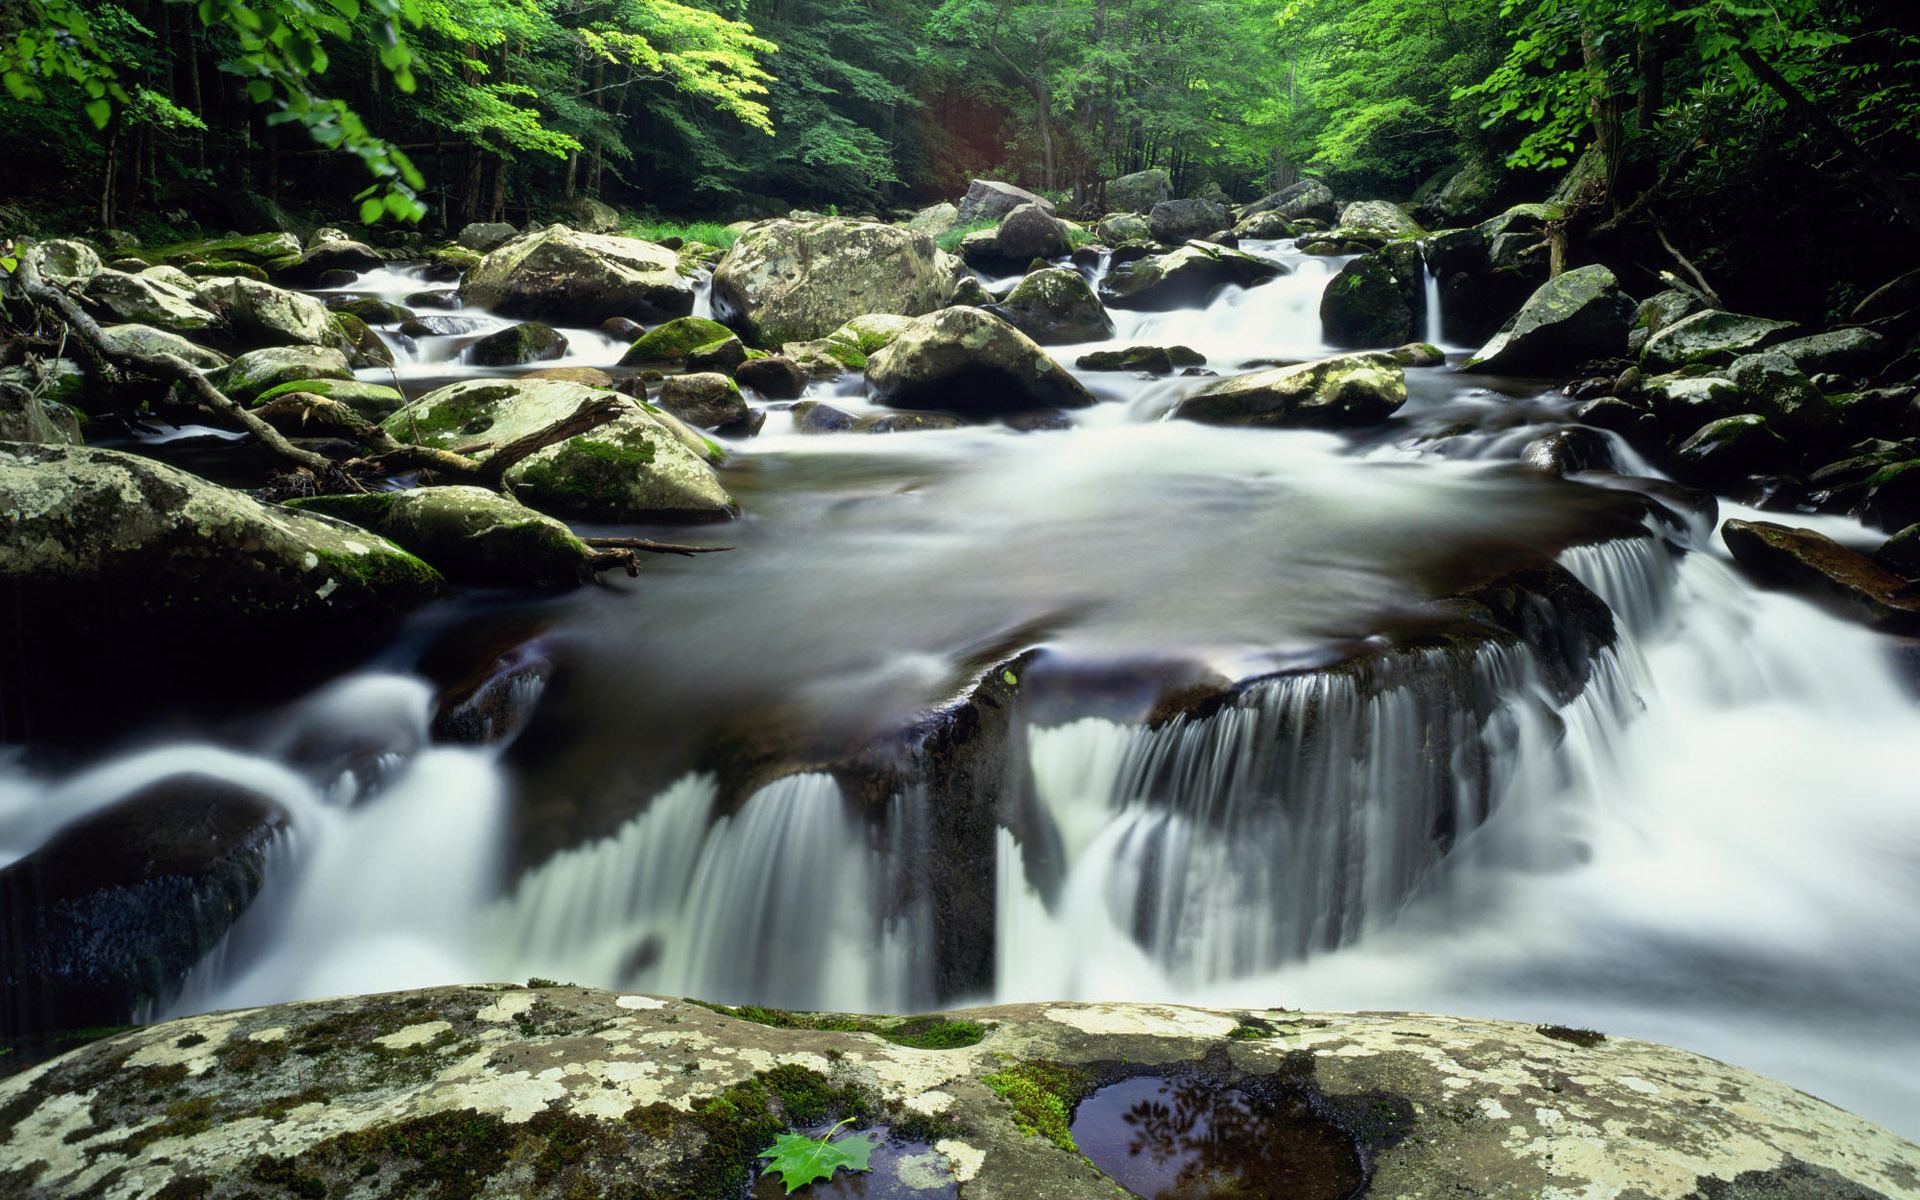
799 1160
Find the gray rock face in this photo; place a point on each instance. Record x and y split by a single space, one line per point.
483 236
475 1083
787 281
1265 226
1176 221
589 215
118 297
111 913
776 377
1381 216
1712 336
148 340
1365 305
1183 278
1772 386
581 279
972 363
34 402
517 345
1657 312
1307 199
1116 228
469 534
1333 393
1582 314
1851 352
989 200
935 219
68 263
1056 307
1140 191
646 464
259 314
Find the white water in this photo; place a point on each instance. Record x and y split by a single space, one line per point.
1716 845
1430 293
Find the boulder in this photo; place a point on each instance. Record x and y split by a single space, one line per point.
1892 498
363 347
118 297
673 341
1055 307
776 377
723 356
1023 235
371 309
1731 449
1333 393
106 918
1657 312
705 400
1140 191
824 358
1686 402
27 414
259 314
1116 228
579 279
592 377
935 220
1265 227
517 345
1844 581
68 263
1889 300
967 361
1177 221
1365 305
433 325
1712 336
1580 315
788 281
259 371
126 568
588 215
1183 278
1851 352
145 339
908 422
644 465
483 236
1901 553
1465 196
1154 360
471 535
1308 199
989 200
338 252
812 416
1772 386
1378 216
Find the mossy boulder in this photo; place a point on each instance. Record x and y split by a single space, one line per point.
517 345
482 236
371 309
306 415
1379 216
1140 191
145 339
1055 307
870 333
261 250
1265 227
1580 315
1365 305
1772 386
970 362
1892 499
790 281
1183 278
1711 336
1854 352
469 534
934 220
258 314
259 371
557 274
1724 452
363 347
1309 199
1333 393
1684 403
776 377
703 399
28 415
1657 312
670 342
117 297
644 465
1027 233
1154 360
1173 222
723 355
990 199
374 401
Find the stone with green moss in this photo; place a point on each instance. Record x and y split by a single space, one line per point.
1730 449
1711 336
1332 393
469 534
971 363
146 340
258 314
703 399
259 371
1365 305
794 281
1056 307
1577 316
374 401
870 333
362 346
306 415
569 278
371 309
225 270
258 250
673 341
723 355
137 299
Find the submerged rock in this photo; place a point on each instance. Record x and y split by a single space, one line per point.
788 281
1580 315
1845 581
1349 390
1055 307
469 534
972 363
581 279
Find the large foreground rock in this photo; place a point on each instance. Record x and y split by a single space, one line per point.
505 1093
1333 393
643 465
1183 278
970 362
258 314
1845 581
792 281
1580 315
569 278
1176 221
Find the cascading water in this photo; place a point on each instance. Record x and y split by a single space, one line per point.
1430 302
1706 842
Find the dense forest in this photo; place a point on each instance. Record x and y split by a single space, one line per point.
1702 123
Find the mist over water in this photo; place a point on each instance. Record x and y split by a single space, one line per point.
1713 844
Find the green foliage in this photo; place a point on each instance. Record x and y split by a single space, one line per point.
1042 1096
800 1160
951 239
707 233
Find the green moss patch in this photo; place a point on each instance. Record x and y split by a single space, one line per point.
917 1033
1042 1096
673 341
1586 1039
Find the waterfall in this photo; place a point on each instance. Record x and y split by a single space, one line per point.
1430 292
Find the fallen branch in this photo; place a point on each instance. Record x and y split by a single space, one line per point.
651 547
1687 264
491 471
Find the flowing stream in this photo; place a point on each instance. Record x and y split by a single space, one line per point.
1710 840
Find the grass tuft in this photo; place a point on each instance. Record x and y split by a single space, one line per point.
707 233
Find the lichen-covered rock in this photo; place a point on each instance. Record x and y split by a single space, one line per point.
1686 402
469 534
1183 278
1772 386
1177 221
790 281
68 263
569 278
1056 307
1892 499
670 342
1023 235
1712 336
118 297
705 399
1116 228
970 362
645 464
265 251
725 355
258 314
29 414
1845 581
1265 226
1854 352
483 236
371 309
362 346
588 215
145 339
309 415
1332 393
260 371
870 333
109 915
935 219
1580 315
989 200
1308 199
813 416
498 1092
1365 305
1140 191
1657 312
517 345
1732 448
1379 216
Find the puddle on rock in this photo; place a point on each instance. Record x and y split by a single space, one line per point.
1189 1139
899 1170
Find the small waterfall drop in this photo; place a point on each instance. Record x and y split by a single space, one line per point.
1430 299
